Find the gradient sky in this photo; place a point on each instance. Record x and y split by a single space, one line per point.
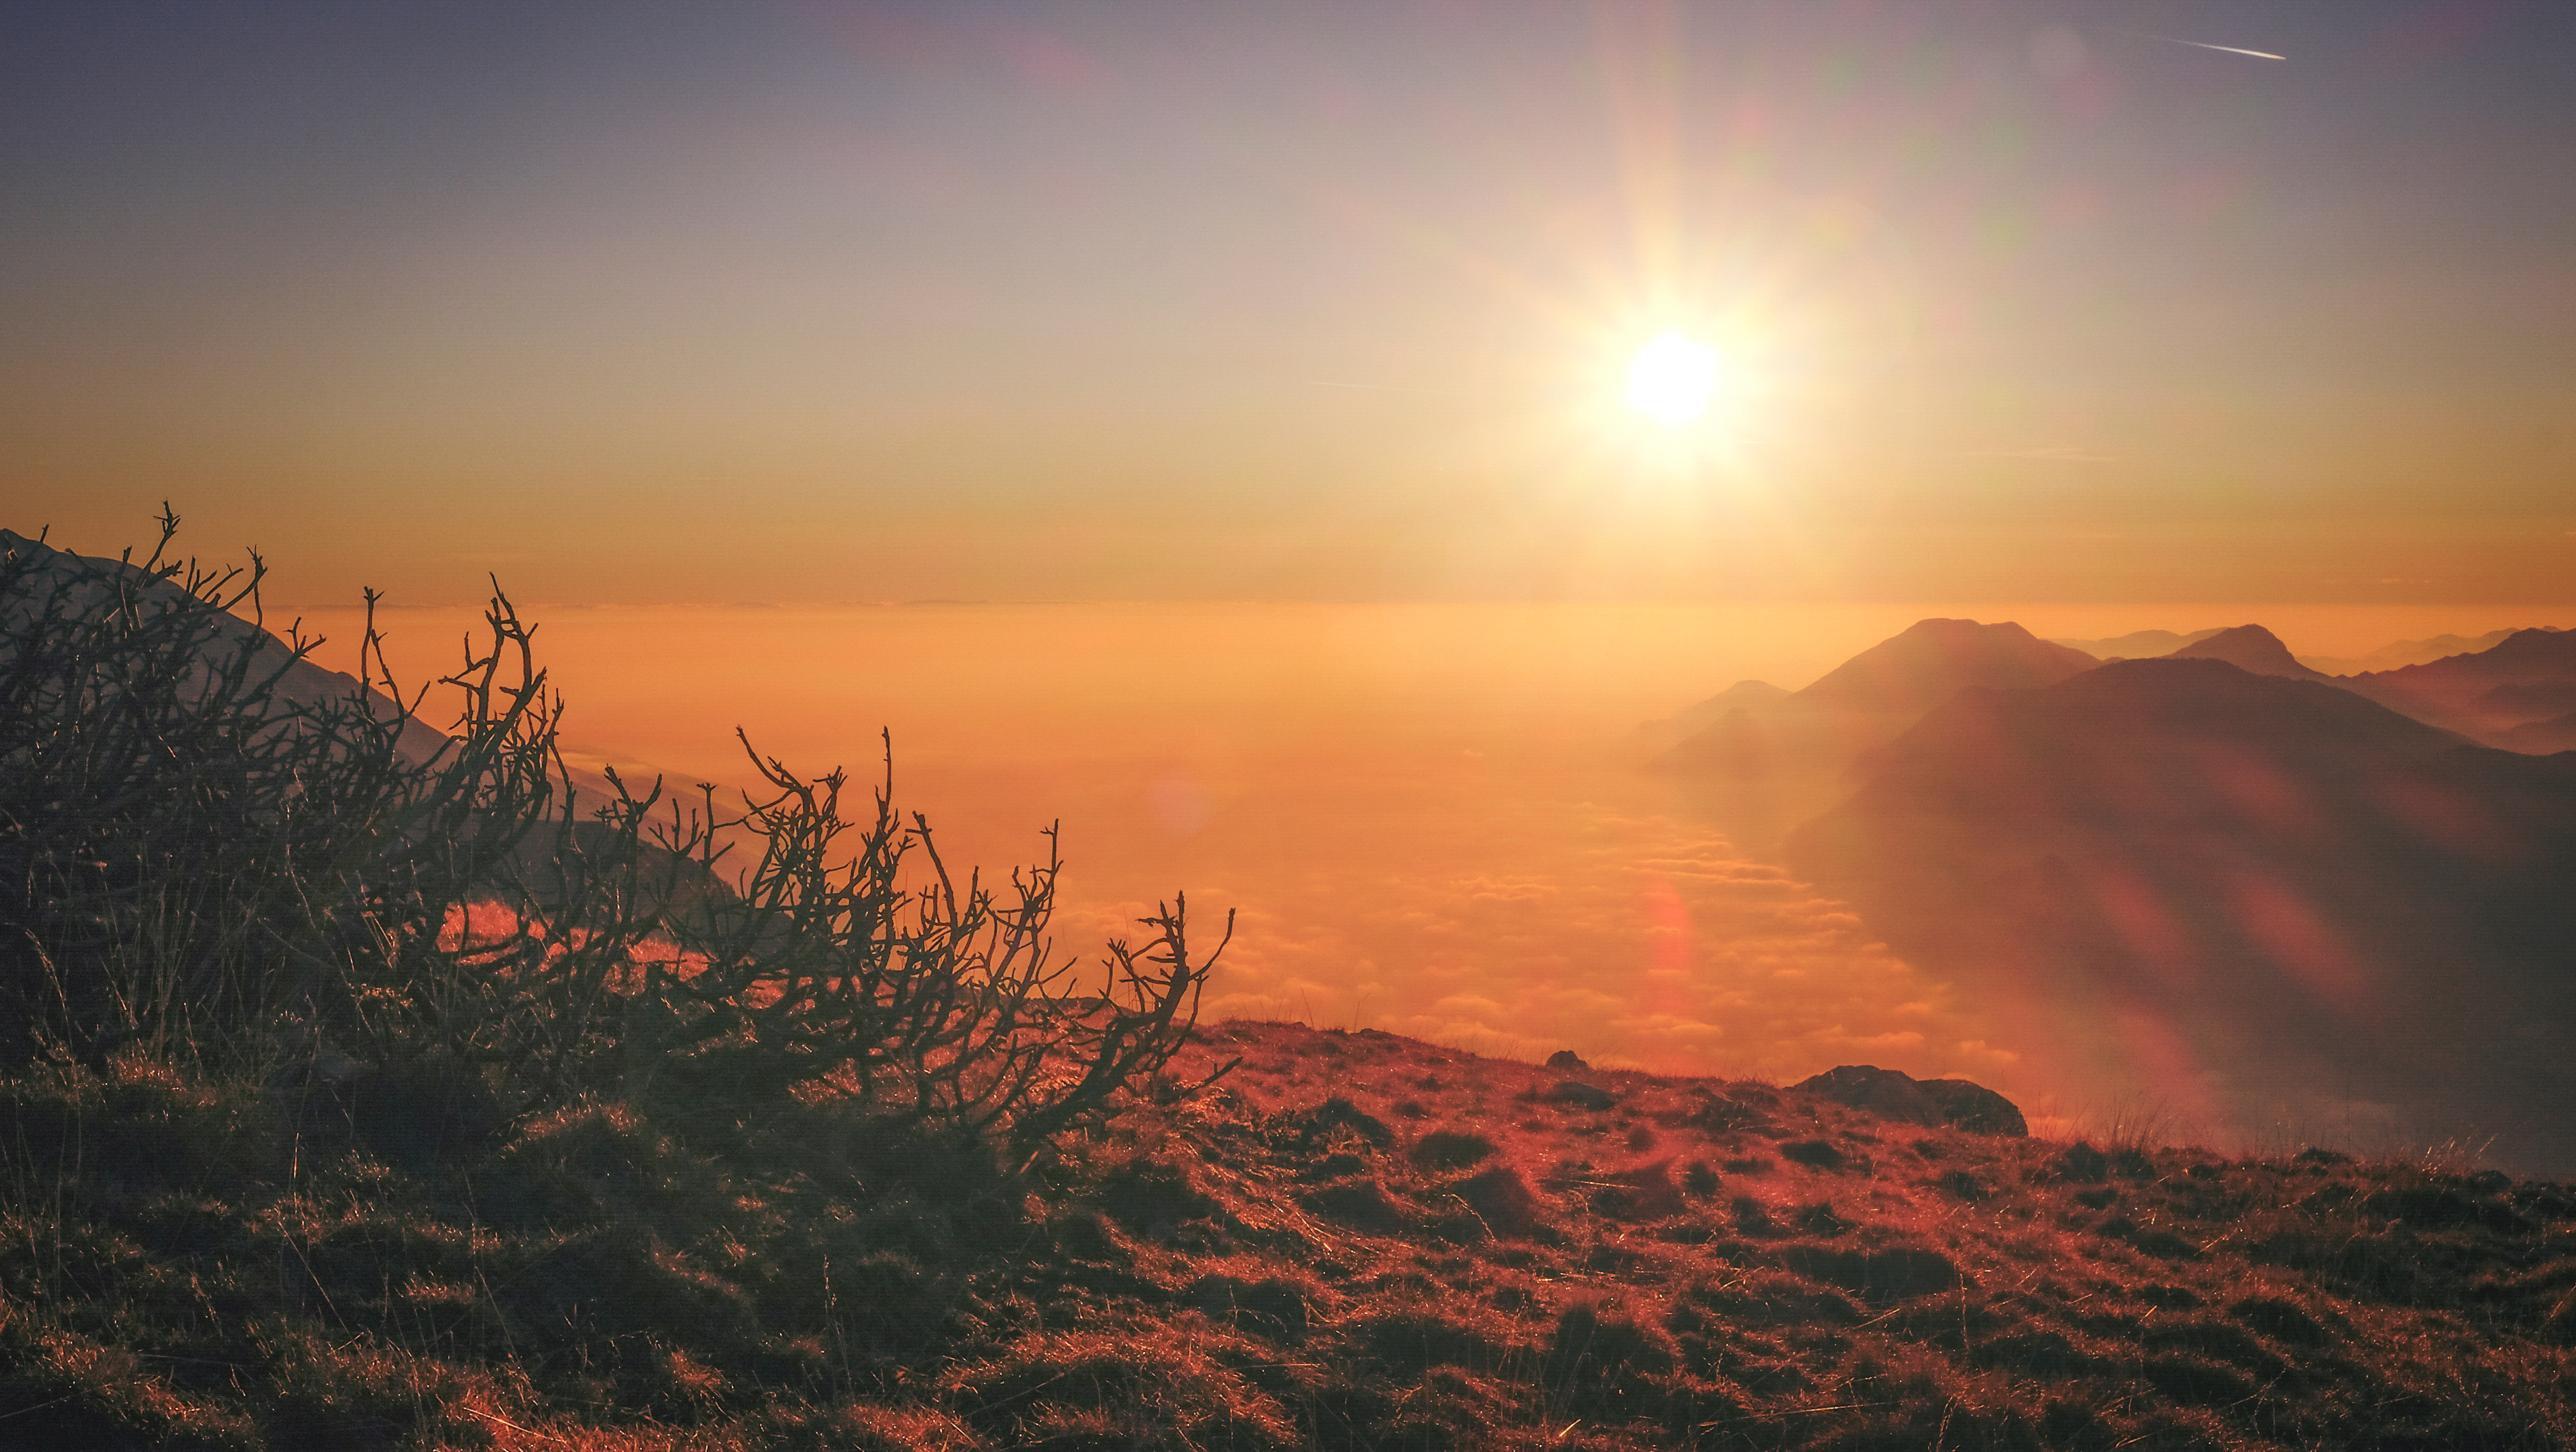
844 302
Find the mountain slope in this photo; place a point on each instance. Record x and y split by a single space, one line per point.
80 585
2405 653
2135 645
2469 692
2248 648
2253 898
1934 660
1354 1241
1765 760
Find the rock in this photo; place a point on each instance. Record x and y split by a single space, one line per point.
1883 1092
1905 1099
1567 1061
1581 1095
1975 1108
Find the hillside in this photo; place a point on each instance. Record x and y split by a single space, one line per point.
2521 680
1757 761
2249 648
2405 653
2261 901
42 581
1933 660
1353 1241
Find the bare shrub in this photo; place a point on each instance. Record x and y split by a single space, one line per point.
191 847
204 854
943 1004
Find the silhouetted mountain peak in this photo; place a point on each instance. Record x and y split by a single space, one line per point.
2251 648
1936 659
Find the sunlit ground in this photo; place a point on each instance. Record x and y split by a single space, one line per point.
1422 815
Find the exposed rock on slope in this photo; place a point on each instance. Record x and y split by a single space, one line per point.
1892 1094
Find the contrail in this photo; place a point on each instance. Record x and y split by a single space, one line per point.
2205 45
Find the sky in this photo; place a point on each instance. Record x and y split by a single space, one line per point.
830 303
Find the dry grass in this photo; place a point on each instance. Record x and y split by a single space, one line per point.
1355 1241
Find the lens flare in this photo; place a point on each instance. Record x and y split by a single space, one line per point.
1672 379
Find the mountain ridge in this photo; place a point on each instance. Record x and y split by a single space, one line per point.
2249 648
2282 884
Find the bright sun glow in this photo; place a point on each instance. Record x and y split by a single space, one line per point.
1672 378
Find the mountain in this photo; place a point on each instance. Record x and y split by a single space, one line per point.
2405 653
2248 648
1656 736
43 578
1934 660
2521 679
1760 760
2262 901
2528 700
2540 738
2137 644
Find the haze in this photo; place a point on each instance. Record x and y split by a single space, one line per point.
1430 818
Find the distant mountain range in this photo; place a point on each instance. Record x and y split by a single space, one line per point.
2406 653
2141 644
2515 694
2219 879
2137 644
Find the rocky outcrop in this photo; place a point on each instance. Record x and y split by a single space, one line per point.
1890 1094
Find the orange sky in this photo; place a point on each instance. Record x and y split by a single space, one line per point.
818 304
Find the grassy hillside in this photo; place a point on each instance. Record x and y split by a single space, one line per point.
1352 1241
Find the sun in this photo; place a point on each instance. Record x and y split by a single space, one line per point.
1672 379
